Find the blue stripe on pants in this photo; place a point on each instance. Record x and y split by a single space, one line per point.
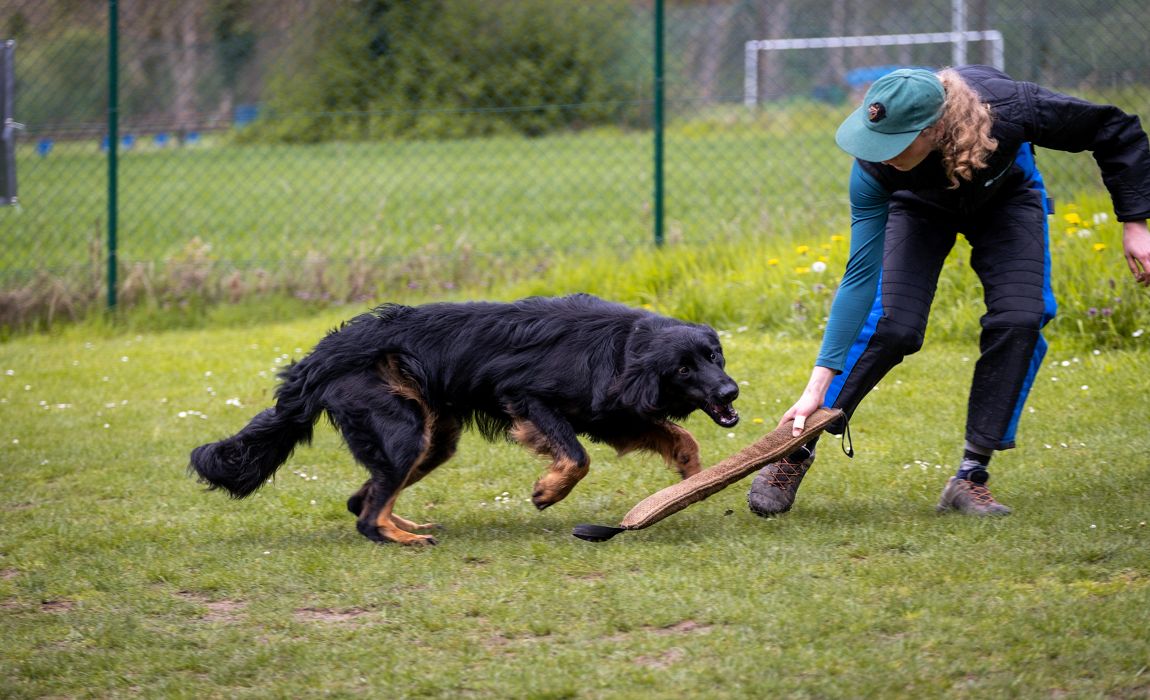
1025 160
856 351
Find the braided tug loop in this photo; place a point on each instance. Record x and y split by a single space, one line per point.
772 446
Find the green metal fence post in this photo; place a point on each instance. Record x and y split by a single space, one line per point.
113 142
658 123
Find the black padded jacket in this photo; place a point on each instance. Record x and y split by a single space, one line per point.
1027 113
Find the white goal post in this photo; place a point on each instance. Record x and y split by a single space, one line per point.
957 39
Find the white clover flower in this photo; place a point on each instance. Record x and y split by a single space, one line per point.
1138 333
819 266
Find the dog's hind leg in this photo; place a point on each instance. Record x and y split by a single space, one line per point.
670 441
444 441
549 435
390 436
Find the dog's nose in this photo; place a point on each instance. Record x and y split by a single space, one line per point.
730 393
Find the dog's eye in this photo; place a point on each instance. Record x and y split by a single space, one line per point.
714 356
684 371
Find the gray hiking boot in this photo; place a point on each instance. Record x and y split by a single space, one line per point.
970 496
774 488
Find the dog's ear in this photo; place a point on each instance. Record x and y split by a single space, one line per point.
637 386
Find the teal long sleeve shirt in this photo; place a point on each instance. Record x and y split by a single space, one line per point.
852 303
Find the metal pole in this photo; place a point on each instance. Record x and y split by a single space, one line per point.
8 125
658 123
113 142
750 74
958 28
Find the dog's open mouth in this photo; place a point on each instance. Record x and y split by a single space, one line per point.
723 414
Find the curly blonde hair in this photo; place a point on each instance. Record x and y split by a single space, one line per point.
963 130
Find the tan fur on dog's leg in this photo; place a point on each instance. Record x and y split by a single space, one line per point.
671 442
563 474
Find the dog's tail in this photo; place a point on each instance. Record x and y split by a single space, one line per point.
245 461
242 463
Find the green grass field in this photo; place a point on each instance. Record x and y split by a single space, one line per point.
121 577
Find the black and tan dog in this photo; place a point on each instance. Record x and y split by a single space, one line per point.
401 383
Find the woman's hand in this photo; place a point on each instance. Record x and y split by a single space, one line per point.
1136 245
811 400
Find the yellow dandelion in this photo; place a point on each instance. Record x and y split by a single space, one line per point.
823 258
773 261
1099 246
803 249
1072 218
837 238
1070 231
802 270
757 421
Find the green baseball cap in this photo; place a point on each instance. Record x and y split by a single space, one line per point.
896 108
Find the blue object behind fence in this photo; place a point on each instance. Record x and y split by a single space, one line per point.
246 114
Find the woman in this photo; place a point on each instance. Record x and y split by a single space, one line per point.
939 154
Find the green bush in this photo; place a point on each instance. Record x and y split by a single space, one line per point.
379 70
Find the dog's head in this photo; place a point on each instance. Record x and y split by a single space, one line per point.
672 370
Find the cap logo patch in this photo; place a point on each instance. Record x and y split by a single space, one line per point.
876 112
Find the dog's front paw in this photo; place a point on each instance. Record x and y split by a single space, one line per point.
541 499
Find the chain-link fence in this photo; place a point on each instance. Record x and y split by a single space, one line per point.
331 148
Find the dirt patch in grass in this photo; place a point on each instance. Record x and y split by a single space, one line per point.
215 610
9 574
668 658
682 627
61 605
330 615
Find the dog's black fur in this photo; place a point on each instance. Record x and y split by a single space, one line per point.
400 383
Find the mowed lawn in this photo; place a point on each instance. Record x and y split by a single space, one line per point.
121 577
